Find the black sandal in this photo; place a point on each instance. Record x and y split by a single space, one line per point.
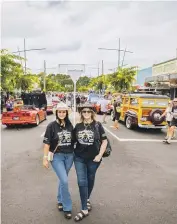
81 215
68 214
89 206
60 207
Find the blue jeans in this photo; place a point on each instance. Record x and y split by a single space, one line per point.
86 170
62 163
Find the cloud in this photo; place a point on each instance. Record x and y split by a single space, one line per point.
72 32
75 46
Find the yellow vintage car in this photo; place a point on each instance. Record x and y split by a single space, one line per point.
143 110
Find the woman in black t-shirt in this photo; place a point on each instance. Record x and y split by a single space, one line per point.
58 144
90 147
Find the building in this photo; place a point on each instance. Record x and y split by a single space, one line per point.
143 74
164 77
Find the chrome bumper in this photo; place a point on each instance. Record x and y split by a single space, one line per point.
152 126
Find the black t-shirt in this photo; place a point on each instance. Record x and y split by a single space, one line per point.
116 104
87 139
174 110
61 136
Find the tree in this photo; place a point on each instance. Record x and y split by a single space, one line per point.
122 79
83 84
11 70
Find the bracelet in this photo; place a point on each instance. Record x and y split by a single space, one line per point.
45 157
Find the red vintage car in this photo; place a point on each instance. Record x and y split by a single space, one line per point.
26 114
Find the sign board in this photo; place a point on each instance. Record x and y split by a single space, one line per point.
169 67
75 74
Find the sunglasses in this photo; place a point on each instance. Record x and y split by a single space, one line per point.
86 111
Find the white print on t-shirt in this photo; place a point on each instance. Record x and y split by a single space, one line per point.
64 138
86 137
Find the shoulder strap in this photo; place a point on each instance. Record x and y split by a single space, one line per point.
97 127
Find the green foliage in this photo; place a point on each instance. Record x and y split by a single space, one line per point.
11 70
122 79
83 84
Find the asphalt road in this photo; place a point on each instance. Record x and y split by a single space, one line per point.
136 185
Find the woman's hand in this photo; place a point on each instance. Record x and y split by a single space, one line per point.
46 163
97 158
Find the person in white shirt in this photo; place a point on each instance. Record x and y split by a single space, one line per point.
169 117
104 107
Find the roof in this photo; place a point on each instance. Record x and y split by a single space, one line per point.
161 63
152 96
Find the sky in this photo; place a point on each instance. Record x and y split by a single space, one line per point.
71 33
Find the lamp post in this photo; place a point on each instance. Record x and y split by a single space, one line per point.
25 50
118 51
75 75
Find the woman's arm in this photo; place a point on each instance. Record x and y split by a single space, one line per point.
164 114
47 142
46 150
45 158
103 147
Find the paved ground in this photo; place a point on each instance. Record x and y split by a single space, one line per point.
136 185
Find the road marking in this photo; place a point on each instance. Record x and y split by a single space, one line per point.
134 140
143 140
110 132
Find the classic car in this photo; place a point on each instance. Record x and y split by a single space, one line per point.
143 110
26 114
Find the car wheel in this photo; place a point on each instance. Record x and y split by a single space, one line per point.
37 120
129 123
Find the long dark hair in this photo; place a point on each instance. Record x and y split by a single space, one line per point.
66 119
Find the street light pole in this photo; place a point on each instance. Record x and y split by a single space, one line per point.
25 54
118 52
25 50
119 55
44 75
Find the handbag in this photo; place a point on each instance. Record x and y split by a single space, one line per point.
51 154
108 150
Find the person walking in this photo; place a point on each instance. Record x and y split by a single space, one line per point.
58 149
104 107
88 155
117 110
169 117
173 122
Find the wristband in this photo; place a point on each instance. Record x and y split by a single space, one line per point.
45 157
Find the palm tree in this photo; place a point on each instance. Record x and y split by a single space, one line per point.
122 79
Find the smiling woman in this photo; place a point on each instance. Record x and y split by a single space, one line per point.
88 155
58 150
